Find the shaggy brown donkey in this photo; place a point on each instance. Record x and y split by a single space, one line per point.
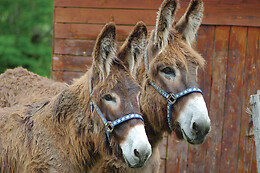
63 133
169 71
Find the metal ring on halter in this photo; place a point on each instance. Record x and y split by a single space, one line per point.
109 126
171 98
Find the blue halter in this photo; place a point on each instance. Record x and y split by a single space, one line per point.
110 125
171 97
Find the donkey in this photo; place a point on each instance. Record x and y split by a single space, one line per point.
170 100
73 130
171 64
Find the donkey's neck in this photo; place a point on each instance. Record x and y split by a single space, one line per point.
67 119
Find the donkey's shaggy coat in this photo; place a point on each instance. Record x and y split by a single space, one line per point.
17 86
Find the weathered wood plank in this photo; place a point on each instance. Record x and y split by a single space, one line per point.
163 154
231 15
144 4
177 153
217 99
75 47
65 76
212 16
233 102
205 45
253 165
77 31
71 63
244 13
85 31
249 88
151 4
101 16
255 106
163 147
253 153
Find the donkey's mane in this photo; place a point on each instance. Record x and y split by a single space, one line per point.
183 51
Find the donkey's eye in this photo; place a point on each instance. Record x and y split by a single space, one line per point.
108 97
168 71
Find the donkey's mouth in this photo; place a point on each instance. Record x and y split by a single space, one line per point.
127 162
185 136
191 141
138 165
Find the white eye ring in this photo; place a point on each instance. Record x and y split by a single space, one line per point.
112 100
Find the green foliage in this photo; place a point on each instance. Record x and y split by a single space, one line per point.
26 35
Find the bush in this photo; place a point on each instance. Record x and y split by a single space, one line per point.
26 35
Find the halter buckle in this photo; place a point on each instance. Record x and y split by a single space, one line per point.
171 98
109 126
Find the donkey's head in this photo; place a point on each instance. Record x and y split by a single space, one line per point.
172 83
115 96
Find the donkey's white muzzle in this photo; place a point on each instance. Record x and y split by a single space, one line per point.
194 120
136 147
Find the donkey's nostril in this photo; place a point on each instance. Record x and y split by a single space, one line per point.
137 154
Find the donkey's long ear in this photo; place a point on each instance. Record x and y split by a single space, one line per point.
132 50
164 21
189 23
104 51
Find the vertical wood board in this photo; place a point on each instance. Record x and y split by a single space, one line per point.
233 101
249 87
217 99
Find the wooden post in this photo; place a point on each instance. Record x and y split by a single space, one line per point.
255 106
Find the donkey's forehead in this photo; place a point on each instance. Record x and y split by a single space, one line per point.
177 52
180 54
121 81
125 83
176 43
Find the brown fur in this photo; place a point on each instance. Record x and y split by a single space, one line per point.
60 134
17 86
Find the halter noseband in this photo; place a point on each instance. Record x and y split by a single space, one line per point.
110 125
171 97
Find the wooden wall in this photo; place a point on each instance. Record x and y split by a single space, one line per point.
228 40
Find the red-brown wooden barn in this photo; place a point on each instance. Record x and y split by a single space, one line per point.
228 39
